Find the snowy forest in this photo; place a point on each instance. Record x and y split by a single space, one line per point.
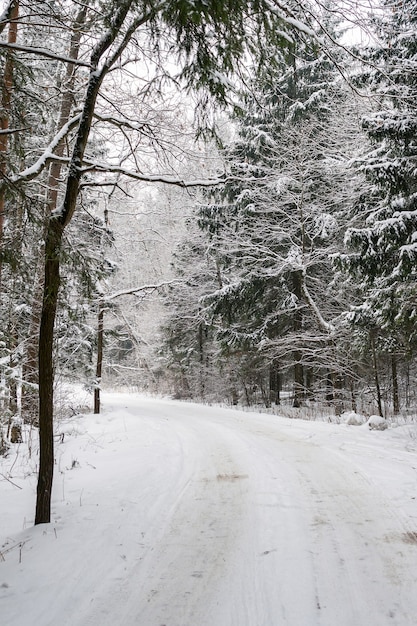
214 201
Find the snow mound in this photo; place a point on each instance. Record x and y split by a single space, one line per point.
376 422
352 419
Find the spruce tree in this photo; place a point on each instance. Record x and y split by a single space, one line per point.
280 220
383 248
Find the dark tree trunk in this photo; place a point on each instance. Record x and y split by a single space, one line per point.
353 396
376 375
407 384
395 390
298 381
5 109
99 366
274 383
201 373
329 388
310 383
46 374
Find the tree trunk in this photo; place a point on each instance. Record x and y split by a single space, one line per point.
46 375
395 391
99 367
338 385
53 244
274 383
265 392
310 383
298 381
201 373
5 112
353 396
297 356
376 375
6 98
329 388
407 384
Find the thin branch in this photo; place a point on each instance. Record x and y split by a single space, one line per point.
44 53
162 178
134 290
11 131
12 483
120 122
151 178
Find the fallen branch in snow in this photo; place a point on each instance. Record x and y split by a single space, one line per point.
16 545
10 481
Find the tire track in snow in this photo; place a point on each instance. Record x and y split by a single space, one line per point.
189 566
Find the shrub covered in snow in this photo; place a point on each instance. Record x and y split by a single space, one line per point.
352 419
376 422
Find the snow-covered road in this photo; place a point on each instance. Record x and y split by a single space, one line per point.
171 514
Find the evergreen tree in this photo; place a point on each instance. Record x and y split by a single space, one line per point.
383 247
276 230
188 350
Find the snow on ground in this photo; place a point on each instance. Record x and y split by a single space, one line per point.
174 514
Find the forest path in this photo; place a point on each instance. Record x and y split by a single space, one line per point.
211 517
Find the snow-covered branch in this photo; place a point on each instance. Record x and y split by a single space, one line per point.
151 178
283 12
44 53
120 122
47 156
12 131
134 290
95 166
